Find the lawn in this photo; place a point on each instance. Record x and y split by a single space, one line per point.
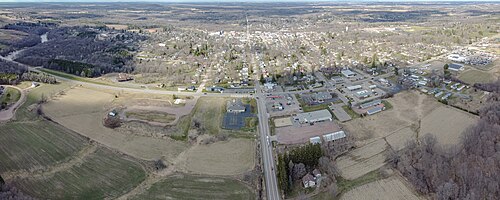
209 113
476 76
103 174
344 185
10 96
351 112
197 187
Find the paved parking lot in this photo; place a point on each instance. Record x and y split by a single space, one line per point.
236 121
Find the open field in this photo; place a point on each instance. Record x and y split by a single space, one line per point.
400 138
181 186
282 122
447 124
151 116
209 112
34 145
475 76
232 157
86 119
44 91
392 188
362 160
102 174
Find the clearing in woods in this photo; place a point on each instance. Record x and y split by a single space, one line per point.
392 188
232 157
102 174
83 109
182 186
447 124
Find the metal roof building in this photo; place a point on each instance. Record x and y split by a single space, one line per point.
334 136
315 116
374 110
370 104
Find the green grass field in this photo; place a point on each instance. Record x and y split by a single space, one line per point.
35 95
35 144
476 76
197 187
209 112
351 112
102 175
71 77
10 96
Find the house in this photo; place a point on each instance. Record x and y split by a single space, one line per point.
35 84
181 89
363 94
455 67
315 116
316 173
374 110
235 106
315 140
348 73
179 101
123 77
191 88
370 104
334 136
216 89
308 181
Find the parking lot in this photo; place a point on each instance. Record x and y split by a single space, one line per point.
279 105
236 121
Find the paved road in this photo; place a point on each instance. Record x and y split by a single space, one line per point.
272 190
9 113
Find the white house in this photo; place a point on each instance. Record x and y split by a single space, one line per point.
308 181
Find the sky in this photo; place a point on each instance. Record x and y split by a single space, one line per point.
232 0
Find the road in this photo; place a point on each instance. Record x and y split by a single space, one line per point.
272 190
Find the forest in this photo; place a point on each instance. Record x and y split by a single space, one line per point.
470 170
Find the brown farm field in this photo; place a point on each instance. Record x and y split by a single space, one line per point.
447 124
86 119
392 188
232 157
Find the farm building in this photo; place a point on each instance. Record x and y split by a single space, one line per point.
370 104
374 110
354 87
308 181
235 106
348 73
334 136
315 116
455 67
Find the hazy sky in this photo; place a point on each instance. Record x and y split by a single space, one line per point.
227 0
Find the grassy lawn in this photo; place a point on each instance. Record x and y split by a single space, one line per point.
387 105
315 107
35 95
476 76
252 102
209 113
10 96
152 116
351 112
250 124
71 77
344 185
103 174
197 187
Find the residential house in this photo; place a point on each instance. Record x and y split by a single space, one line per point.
308 181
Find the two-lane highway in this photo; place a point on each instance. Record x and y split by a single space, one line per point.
266 148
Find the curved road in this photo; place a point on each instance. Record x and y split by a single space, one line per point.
8 114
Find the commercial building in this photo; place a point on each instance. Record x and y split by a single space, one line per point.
370 104
315 116
354 87
348 73
455 67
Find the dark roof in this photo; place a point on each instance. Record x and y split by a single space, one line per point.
307 177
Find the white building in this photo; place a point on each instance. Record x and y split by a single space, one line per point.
348 73
315 116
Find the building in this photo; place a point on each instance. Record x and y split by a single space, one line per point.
334 136
455 67
216 89
348 73
316 173
354 87
123 77
235 106
308 181
315 140
374 110
315 116
191 88
363 94
370 104
320 97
